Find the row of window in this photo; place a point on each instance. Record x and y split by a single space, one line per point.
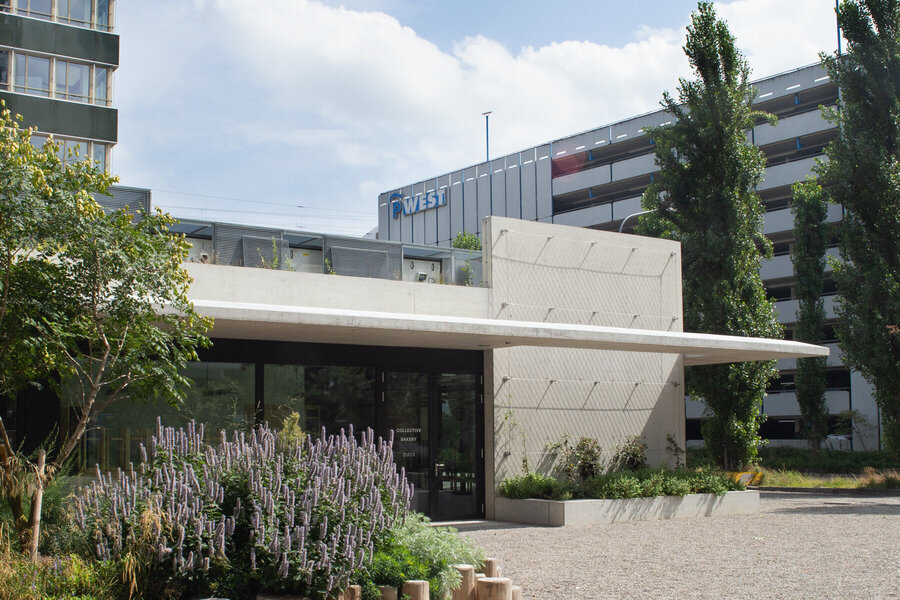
71 150
95 14
52 77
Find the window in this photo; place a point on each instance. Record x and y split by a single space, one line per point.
77 12
32 75
41 9
101 87
98 151
99 155
96 14
4 69
103 21
74 81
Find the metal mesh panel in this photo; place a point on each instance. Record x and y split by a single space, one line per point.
467 268
363 258
360 262
133 199
263 251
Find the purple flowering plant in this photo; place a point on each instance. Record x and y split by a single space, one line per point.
251 513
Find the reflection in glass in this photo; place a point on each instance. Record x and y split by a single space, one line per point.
4 68
222 397
100 85
75 11
457 493
32 75
329 397
407 412
103 14
100 155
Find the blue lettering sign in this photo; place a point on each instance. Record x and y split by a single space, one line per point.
418 203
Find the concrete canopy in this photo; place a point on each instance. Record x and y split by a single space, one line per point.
341 326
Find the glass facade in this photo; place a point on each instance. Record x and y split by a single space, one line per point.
429 399
94 14
75 81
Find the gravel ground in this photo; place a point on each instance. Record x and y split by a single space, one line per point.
800 546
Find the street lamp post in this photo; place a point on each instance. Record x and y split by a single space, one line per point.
487 135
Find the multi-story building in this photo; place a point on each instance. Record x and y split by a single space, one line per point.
595 179
57 59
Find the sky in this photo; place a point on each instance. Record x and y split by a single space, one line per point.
296 114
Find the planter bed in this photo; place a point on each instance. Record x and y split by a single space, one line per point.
583 513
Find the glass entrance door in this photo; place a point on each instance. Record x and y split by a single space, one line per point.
458 466
406 398
436 419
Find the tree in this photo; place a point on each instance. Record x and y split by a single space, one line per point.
466 241
704 197
863 175
96 300
811 234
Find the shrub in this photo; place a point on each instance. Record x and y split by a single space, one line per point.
630 484
62 577
581 461
438 549
631 455
534 485
249 514
880 480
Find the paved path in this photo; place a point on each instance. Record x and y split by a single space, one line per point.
812 546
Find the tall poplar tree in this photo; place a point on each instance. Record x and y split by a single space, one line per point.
704 197
811 233
863 175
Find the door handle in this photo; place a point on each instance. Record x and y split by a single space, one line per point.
437 468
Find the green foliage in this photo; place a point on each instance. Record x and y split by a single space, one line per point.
291 431
466 241
395 564
704 197
641 483
811 234
863 175
438 549
787 478
631 455
63 577
581 461
880 480
80 298
534 485
802 460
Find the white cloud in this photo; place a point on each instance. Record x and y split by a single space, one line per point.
295 100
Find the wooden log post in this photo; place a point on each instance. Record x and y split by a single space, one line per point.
493 588
354 592
492 567
415 589
388 592
516 592
466 589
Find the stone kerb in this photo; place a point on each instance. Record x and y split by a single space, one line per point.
583 513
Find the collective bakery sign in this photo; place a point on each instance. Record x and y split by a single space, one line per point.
417 203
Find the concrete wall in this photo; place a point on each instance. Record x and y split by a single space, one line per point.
267 286
534 396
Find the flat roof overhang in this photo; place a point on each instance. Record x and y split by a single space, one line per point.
339 326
